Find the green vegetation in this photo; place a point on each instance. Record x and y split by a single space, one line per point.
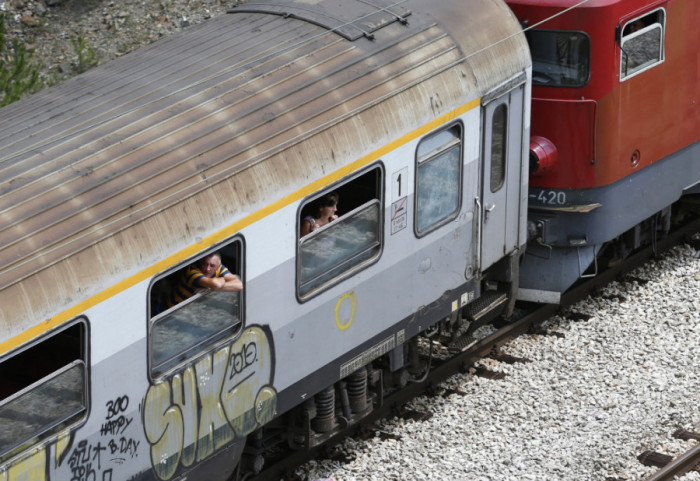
17 75
87 57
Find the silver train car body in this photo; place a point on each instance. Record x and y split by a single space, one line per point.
220 139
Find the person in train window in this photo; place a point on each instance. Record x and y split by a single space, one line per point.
324 212
634 26
207 273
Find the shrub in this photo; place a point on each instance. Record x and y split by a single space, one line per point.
87 58
17 75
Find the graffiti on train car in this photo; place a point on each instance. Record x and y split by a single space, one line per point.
31 467
235 393
86 461
116 421
222 396
94 459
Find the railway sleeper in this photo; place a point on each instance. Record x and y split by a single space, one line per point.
686 435
660 460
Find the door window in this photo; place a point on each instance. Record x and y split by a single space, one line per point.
499 138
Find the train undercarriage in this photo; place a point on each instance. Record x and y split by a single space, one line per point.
342 406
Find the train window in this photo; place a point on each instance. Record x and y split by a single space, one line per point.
498 147
43 389
187 318
642 44
559 58
333 251
438 179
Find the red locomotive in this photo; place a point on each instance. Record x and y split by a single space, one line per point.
614 132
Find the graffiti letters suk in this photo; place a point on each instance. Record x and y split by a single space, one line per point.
234 388
219 398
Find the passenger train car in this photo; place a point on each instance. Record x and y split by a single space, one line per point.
222 139
615 131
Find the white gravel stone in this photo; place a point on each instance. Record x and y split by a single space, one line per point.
615 386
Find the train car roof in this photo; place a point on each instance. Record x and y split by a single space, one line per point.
105 176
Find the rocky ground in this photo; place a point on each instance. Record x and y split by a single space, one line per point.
68 36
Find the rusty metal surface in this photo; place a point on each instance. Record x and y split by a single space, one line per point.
112 171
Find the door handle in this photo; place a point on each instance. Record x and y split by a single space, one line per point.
487 210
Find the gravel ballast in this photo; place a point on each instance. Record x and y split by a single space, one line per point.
616 385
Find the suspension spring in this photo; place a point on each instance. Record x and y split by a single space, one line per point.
357 390
325 411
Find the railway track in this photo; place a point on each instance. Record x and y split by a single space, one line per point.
530 319
670 467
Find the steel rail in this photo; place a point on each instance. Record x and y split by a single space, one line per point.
679 466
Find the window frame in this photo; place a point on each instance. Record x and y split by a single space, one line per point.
429 157
195 350
503 106
623 38
378 199
68 421
583 34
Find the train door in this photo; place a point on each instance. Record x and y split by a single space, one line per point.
500 179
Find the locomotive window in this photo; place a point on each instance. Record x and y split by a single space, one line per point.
43 389
559 58
182 327
642 44
438 184
347 244
498 147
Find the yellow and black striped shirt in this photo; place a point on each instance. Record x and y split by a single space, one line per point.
188 283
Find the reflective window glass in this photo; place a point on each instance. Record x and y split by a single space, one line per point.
438 178
198 322
559 58
498 147
352 239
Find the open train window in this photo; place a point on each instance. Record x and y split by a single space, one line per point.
187 319
335 250
438 179
642 44
44 388
559 58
